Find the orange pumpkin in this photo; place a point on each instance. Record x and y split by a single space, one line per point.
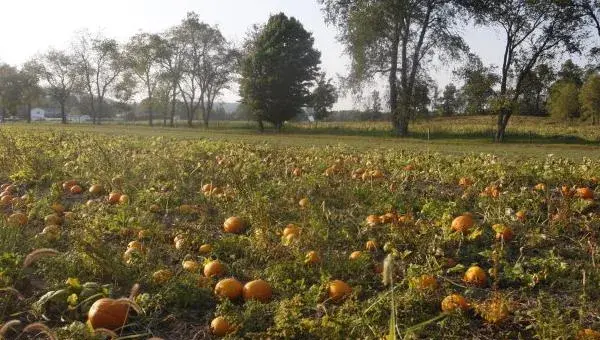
257 290
205 249
162 276
462 223
503 232
475 276
214 268
18 219
373 220
338 290
371 245
233 225
114 197
291 229
229 288
312 257
67 185
108 313
304 203
521 215
355 255
219 326
588 334
207 188
6 200
453 302
465 182
585 193
124 199
425 282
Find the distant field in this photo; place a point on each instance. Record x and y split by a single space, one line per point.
528 136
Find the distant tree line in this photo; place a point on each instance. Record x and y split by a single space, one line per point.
188 66
399 39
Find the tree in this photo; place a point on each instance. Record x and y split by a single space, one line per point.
323 97
395 38
564 100
206 65
31 90
10 90
171 58
141 55
278 69
125 91
534 31
100 63
60 73
591 10
589 97
571 72
478 87
449 105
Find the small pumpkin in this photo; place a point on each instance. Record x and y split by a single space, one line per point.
114 197
109 313
162 276
75 190
229 288
338 290
355 255
219 326
312 257
214 268
585 193
191 266
205 249
503 232
475 275
233 225
257 290
462 223
453 302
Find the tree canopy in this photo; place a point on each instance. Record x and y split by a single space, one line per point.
279 66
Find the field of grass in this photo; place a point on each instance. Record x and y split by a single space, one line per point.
348 236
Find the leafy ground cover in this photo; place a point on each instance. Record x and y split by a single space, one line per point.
333 242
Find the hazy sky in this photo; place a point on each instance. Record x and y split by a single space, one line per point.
31 26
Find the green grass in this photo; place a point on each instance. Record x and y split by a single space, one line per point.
528 136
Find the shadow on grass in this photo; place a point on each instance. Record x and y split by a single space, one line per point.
440 136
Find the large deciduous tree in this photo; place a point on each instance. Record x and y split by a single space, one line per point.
279 66
533 31
99 60
10 90
323 97
479 81
590 98
60 73
142 59
395 38
207 65
30 88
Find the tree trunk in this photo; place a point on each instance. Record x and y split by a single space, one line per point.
28 112
63 114
393 80
261 126
173 104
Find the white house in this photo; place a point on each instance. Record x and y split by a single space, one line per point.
38 114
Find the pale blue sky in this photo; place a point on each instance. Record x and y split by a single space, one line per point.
31 26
